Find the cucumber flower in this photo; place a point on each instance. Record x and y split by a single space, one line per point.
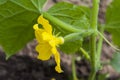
47 42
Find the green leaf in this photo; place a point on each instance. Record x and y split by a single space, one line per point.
2 1
115 62
33 5
70 47
77 16
16 20
113 21
73 42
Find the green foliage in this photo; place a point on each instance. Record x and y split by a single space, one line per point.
2 1
72 43
115 62
77 16
113 21
74 15
102 77
16 20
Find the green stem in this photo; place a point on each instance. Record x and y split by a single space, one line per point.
86 55
60 23
74 68
94 19
99 47
108 42
77 35
93 57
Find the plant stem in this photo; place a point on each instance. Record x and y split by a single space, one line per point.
60 23
94 19
73 68
108 42
86 55
99 47
93 57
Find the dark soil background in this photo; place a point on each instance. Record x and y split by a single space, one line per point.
25 66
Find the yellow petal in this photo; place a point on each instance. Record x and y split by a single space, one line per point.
55 41
47 42
52 43
38 33
35 26
58 69
42 20
45 23
57 60
44 51
59 40
46 36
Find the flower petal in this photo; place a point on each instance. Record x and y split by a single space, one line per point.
44 51
47 42
55 41
58 40
45 23
46 36
38 33
58 69
57 59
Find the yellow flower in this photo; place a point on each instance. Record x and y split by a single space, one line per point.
47 42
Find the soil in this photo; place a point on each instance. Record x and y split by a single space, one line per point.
25 66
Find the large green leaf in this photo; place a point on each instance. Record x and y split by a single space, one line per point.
77 16
74 15
16 20
113 21
115 62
